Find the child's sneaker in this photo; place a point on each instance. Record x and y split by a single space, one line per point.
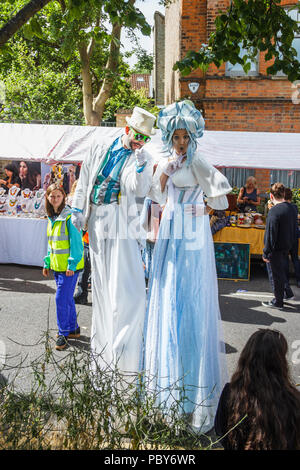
61 343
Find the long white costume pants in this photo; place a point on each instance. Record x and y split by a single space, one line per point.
118 295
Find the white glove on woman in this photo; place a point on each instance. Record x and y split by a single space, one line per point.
141 157
171 166
77 219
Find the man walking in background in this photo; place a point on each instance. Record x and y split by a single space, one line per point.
288 196
279 239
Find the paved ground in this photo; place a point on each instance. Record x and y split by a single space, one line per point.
27 311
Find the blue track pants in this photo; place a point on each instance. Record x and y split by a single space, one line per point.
65 305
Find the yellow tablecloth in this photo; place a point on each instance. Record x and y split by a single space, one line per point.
253 236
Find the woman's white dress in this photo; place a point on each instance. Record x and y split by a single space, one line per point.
183 348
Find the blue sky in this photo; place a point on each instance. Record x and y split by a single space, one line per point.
148 8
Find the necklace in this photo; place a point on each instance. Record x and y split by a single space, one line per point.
13 190
12 203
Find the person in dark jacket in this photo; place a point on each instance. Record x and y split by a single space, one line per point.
288 196
279 238
259 409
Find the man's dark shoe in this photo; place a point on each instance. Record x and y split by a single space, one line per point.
80 300
61 343
288 293
74 334
270 304
289 296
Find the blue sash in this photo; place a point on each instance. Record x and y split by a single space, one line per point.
106 189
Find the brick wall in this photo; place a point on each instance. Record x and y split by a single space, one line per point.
251 115
121 115
263 179
253 103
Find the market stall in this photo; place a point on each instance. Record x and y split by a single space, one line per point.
54 143
252 235
23 240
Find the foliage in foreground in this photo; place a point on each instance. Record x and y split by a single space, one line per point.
68 409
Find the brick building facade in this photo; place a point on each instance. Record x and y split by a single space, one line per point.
229 99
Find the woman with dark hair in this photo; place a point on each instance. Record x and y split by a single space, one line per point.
260 408
30 175
12 178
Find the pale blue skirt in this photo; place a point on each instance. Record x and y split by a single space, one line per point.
184 353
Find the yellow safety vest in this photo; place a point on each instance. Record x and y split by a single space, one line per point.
59 244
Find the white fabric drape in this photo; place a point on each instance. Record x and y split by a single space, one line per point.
273 150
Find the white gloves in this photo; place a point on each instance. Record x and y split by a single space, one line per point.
141 157
77 219
171 166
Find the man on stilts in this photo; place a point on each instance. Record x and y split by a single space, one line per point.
115 172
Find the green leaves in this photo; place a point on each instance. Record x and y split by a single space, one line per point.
42 66
31 29
255 25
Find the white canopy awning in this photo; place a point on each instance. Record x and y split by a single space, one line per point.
53 143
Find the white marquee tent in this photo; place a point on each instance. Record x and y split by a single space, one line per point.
70 144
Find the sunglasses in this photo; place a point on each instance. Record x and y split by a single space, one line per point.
138 136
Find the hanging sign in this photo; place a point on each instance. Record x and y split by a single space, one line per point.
193 86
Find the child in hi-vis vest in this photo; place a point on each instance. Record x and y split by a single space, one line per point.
65 258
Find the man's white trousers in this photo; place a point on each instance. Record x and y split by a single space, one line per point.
118 294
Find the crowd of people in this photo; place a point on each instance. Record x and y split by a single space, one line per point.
171 331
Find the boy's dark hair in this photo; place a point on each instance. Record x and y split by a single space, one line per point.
288 194
277 189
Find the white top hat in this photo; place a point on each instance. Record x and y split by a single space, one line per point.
141 121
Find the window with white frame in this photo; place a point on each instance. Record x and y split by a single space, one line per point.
295 15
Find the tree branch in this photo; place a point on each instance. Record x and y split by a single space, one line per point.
21 18
111 68
87 90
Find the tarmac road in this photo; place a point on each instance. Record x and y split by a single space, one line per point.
27 311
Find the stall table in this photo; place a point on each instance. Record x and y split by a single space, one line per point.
252 235
23 240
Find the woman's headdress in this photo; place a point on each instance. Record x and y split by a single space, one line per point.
182 115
